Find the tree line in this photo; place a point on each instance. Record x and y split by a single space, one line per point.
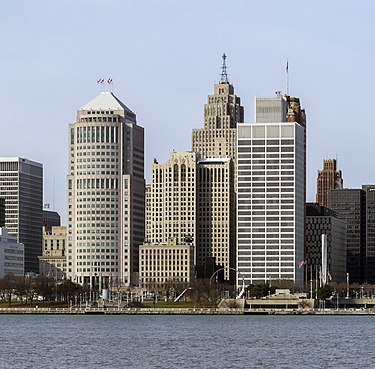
28 289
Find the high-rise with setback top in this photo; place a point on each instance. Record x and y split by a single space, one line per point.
105 194
216 145
329 178
222 112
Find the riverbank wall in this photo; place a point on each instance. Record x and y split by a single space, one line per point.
184 311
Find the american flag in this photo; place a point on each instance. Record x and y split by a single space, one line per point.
301 264
109 81
100 80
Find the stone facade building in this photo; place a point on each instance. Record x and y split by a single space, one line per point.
215 221
52 263
173 199
330 178
105 194
164 263
222 113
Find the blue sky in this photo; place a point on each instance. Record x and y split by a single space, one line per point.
164 57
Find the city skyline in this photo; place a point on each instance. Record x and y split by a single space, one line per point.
329 57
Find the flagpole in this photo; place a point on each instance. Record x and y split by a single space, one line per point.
287 77
316 281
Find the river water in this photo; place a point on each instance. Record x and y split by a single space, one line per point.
128 341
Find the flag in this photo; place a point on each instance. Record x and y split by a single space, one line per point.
100 80
301 264
287 66
109 81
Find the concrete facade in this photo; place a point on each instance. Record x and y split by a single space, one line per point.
21 184
52 263
105 194
271 162
216 144
215 220
222 113
164 263
148 212
11 255
173 199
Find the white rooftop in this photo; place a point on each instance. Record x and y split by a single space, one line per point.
11 159
213 160
106 100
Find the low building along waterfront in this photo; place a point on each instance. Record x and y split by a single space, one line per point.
12 259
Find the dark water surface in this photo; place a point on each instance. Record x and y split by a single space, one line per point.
128 341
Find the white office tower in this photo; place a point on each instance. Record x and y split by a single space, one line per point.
271 192
105 194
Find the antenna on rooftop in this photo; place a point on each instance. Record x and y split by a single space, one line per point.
224 75
53 193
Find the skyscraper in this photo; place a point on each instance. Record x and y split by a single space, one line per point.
51 219
105 193
271 175
173 199
369 276
216 145
330 178
350 205
2 212
215 221
191 201
321 220
21 184
222 113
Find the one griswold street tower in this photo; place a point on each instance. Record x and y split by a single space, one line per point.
216 147
222 113
105 194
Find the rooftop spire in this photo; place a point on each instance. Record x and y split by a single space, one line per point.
224 75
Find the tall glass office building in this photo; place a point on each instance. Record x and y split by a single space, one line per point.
21 185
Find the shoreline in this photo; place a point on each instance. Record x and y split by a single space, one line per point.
182 311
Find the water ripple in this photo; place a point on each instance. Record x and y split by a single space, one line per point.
66 342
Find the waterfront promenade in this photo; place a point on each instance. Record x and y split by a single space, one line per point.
183 311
